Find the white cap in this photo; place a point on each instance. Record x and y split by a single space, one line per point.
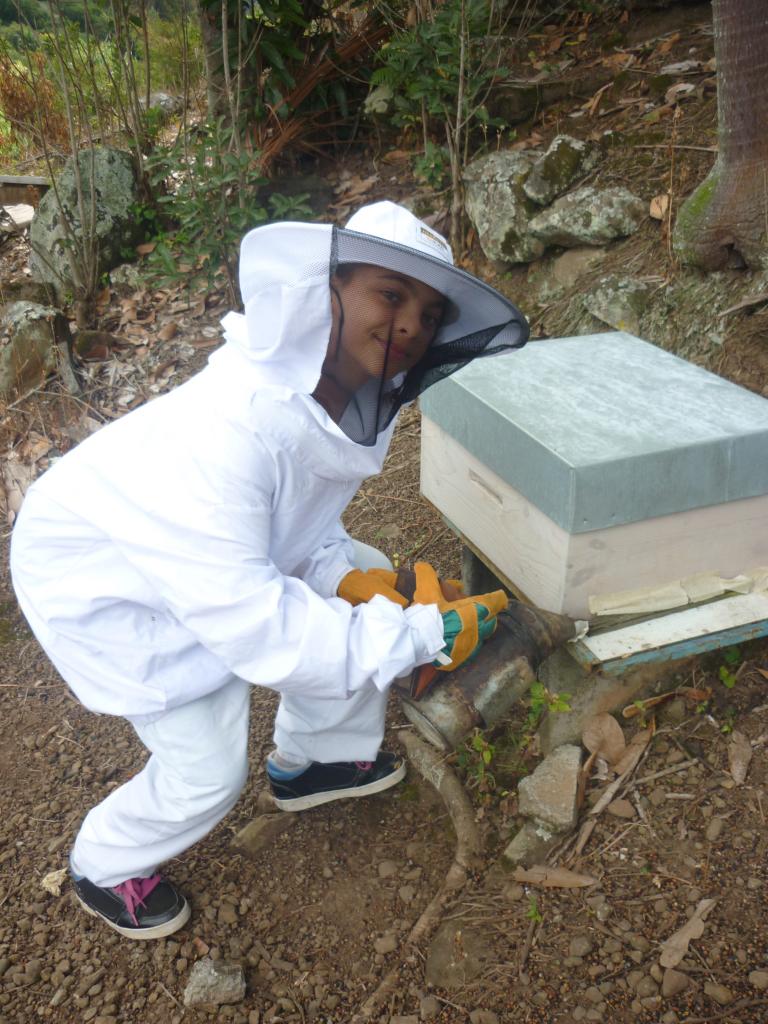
394 223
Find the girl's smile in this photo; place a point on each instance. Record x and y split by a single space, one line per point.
383 322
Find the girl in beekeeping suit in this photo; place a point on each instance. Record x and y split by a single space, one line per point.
194 548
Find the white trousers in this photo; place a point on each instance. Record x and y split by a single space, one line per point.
199 763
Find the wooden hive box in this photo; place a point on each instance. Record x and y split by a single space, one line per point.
579 467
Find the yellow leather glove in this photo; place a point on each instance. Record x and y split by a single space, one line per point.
467 622
357 587
399 586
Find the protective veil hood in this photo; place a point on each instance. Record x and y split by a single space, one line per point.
283 335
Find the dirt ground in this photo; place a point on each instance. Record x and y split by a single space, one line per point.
320 917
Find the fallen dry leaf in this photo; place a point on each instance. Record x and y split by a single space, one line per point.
602 735
739 756
676 946
145 248
553 878
53 881
15 478
170 330
659 206
634 750
668 43
679 91
626 764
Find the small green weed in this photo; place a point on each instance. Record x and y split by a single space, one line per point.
533 913
475 759
728 673
433 166
541 700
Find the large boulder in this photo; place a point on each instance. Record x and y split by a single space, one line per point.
499 208
589 216
32 345
110 190
553 173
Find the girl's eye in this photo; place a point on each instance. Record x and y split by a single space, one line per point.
391 297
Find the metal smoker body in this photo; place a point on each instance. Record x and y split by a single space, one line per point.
479 694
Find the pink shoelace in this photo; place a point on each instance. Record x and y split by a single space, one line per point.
135 891
364 766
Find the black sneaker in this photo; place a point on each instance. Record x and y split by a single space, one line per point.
141 908
322 783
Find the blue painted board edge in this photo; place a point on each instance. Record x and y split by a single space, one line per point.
672 652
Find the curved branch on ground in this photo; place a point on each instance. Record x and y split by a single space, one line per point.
468 857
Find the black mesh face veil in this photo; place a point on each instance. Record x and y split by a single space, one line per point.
393 338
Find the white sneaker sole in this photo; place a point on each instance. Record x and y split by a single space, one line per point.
158 932
303 803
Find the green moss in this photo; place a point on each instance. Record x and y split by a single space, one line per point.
692 216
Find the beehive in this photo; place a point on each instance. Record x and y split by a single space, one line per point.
578 467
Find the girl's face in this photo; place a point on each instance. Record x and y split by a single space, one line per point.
383 323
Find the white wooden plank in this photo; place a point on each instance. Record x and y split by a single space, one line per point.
680 626
520 540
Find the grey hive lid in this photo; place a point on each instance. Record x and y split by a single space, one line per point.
605 429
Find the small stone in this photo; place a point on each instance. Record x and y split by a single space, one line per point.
580 945
429 1007
759 980
386 943
262 832
673 983
227 914
754 884
646 988
719 993
215 982
593 994
406 893
621 809
657 796
387 868
714 828
483 1017
639 942
513 892
550 793
404 1018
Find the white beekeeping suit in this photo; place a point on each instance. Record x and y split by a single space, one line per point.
194 547
202 530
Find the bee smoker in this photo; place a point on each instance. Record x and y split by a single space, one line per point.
481 692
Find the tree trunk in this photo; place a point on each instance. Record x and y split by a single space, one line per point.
724 223
210 32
